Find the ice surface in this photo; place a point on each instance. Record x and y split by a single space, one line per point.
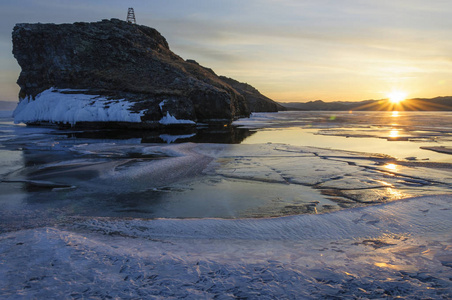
127 178
441 149
6 113
82 218
402 135
399 250
54 106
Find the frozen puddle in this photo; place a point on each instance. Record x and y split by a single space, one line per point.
219 197
397 250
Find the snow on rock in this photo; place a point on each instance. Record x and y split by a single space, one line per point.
55 106
161 104
169 120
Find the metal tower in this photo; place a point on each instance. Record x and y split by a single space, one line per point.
131 16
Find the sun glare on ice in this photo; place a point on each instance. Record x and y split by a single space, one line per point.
391 167
397 96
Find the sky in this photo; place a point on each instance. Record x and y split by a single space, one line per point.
290 50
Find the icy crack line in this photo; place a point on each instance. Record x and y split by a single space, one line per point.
406 176
399 175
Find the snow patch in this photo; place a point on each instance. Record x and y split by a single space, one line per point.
54 106
161 104
169 119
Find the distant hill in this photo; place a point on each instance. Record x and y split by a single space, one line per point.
415 104
7 105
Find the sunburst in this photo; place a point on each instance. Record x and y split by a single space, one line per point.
397 96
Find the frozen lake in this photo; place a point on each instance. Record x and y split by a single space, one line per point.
290 204
270 165
398 134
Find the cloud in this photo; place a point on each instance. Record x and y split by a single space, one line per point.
284 47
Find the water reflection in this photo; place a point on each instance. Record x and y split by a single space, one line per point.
211 134
395 194
394 133
410 133
55 156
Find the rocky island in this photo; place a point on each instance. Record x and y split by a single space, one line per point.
255 100
117 74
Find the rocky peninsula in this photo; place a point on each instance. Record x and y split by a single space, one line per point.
116 74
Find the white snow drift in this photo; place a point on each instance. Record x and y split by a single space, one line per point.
59 106
55 106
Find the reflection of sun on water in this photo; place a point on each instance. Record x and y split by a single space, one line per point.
394 133
395 114
394 194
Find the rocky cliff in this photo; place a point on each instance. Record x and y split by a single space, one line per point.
114 71
255 100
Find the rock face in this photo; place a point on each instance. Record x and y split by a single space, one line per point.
255 100
110 63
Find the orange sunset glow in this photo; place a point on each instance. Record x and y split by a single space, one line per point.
291 51
397 96
271 149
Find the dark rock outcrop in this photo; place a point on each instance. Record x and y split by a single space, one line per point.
255 100
118 60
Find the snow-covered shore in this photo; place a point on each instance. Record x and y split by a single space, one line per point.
401 249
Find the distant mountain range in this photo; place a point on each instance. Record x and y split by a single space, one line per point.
415 104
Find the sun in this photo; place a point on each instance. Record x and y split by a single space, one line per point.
397 96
